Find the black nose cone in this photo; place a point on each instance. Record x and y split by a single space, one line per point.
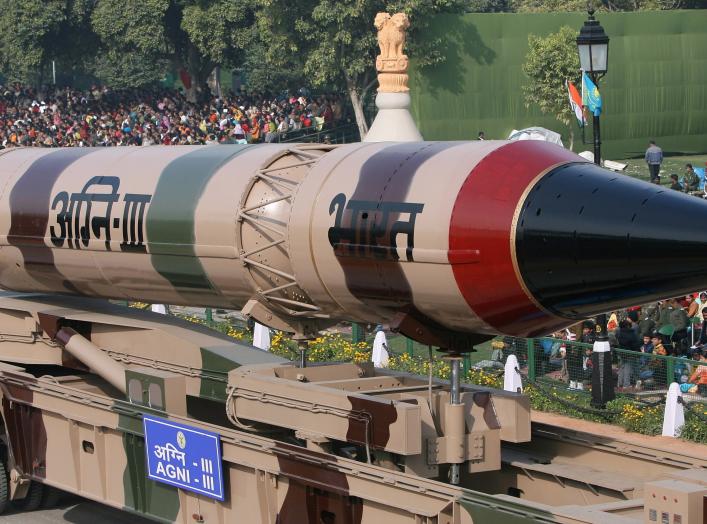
589 240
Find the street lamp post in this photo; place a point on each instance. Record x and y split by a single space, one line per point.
593 47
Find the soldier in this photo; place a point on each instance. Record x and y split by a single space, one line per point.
692 180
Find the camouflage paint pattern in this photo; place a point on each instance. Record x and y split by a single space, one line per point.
267 481
370 232
359 232
69 432
131 336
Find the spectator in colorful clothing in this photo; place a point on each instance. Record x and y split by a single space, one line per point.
699 376
658 367
59 117
646 349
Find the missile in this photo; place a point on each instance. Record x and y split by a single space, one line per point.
446 241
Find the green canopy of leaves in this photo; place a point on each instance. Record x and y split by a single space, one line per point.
550 61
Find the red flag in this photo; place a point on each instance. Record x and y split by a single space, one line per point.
576 103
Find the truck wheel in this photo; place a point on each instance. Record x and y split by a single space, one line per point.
4 489
33 499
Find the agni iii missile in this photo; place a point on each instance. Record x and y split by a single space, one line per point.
444 240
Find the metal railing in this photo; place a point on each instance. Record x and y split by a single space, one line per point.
562 361
343 134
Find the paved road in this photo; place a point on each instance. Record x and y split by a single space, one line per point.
77 511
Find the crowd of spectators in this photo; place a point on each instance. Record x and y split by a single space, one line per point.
674 328
56 117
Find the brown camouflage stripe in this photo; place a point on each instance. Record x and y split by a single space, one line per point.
26 432
315 494
483 400
372 422
29 214
384 178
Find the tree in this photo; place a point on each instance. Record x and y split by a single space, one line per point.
548 6
550 61
140 39
220 30
336 40
34 33
133 39
488 6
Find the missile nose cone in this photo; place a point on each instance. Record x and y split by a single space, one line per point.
589 240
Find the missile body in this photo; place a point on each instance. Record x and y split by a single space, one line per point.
435 237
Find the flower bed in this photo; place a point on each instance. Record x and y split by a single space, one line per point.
631 414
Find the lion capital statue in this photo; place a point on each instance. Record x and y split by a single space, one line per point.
391 34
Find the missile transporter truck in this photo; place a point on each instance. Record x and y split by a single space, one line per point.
448 243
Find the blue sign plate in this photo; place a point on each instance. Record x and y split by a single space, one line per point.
182 456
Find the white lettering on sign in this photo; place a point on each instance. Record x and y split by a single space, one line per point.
168 452
173 472
184 457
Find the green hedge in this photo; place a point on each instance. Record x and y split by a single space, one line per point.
656 86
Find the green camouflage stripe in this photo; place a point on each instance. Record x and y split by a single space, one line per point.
142 495
170 218
486 508
214 376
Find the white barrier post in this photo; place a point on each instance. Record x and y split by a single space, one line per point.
511 375
674 418
379 355
261 337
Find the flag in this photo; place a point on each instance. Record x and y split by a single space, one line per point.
590 95
575 102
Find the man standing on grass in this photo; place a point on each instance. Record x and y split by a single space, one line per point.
654 157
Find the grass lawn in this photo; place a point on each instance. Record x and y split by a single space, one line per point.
675 164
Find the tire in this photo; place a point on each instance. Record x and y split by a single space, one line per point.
4 488
33 499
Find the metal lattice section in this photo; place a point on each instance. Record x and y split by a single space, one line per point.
261 233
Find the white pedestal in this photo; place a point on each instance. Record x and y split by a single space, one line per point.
393 123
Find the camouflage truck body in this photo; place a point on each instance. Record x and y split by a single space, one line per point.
295 440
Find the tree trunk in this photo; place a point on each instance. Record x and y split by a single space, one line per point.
199 89
199 70
357 103
217 81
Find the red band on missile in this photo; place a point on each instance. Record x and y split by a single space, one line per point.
482 219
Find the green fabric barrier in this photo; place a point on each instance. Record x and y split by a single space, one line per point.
656 85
